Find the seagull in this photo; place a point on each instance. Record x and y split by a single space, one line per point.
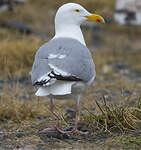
63 67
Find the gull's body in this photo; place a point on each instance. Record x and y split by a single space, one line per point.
63 67
70 65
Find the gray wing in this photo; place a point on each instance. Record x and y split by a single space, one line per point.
62 59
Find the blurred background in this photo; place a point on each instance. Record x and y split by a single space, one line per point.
115 46
26 24
32 23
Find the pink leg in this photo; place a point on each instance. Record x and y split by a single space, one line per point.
75 129
55 128
51 109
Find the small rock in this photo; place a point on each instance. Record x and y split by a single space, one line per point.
70 113
40 117
122 68
136 75
1 84
107 97
26 149
20 135
85 136
100 137
3 138
40 148
25 96
125 71
32 127
127 93
67 136
67 128
24 80
94 137
106 69
54 134
1 130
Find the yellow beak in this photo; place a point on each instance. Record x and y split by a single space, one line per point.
96 18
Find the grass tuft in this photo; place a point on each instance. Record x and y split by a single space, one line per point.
113 117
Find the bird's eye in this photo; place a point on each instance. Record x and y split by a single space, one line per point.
77 10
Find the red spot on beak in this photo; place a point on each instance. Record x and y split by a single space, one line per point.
98 20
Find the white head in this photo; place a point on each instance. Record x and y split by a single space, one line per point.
72 13
69 17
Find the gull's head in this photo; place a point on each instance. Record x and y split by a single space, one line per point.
75 14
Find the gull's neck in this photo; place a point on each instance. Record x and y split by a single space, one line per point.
69 31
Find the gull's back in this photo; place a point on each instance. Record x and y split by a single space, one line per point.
62 59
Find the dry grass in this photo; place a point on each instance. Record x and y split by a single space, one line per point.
17 56
96 114
16 110
115 118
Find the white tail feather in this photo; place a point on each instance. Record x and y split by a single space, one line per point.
59 88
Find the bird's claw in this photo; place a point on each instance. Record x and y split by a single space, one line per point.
54 128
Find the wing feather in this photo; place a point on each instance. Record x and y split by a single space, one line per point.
49 65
